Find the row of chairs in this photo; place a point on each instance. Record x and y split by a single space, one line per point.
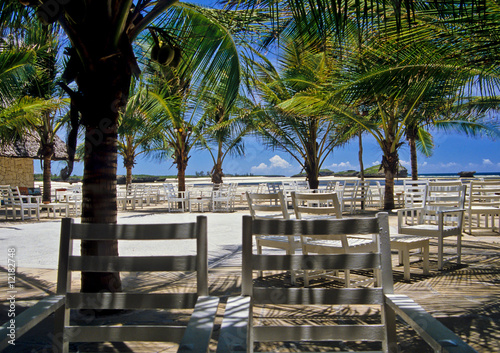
240 328
12 201
352 194
440 216
482 202
221 198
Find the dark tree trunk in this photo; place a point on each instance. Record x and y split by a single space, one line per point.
217 173
413 155
181 160
47 153
104 92
390 165
360 157
128 179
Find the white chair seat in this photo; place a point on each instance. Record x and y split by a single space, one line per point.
353 243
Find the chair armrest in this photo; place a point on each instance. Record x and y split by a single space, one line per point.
235 326
197 336
457 210
29 318
404 210
438 336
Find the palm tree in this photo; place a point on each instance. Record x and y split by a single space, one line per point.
137 128
308 138
185 90
392 80
225 131
38 92
44 86
101 63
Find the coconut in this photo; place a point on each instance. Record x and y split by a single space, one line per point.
166 54
177 57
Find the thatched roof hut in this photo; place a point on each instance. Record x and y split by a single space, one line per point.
28 148
16 160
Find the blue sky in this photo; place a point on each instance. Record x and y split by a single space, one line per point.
453 153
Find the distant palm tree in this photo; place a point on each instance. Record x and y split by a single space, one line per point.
308 137
39 92
184 91
137 128
394 75
224 133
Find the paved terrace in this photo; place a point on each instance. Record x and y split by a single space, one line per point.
464 297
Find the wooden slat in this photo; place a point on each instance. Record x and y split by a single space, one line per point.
319 333
438 336
148 333
317 296
234 328
30 318
131 300
87 231
132 263
197 336
356 261
317 227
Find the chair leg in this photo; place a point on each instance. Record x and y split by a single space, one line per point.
440 253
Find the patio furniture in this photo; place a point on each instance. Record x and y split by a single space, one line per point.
441 216
326 206
354 194
197 198
317 314
413 197
223 199
176 200
28 205
483 206
272 206
193 337
54 207
404 244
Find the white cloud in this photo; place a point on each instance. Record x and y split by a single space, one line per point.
405 163
343 166
278 162
486 161
261 167
277 165
449 164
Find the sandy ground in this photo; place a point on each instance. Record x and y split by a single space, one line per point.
464 297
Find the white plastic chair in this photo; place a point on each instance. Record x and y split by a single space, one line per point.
326 206
441 216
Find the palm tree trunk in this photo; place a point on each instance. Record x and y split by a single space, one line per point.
48 152
217 173
105 90
390 165
360 157
128 179
413 156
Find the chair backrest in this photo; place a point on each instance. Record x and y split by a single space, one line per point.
195 261
274 298
14 197
316 204
273 188
362 190
264 205
414 192
484 194
443 196
5 194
